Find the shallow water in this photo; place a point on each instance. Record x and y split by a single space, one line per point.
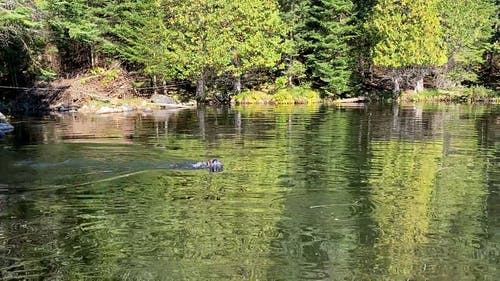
406 192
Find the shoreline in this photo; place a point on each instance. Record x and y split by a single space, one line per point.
93 97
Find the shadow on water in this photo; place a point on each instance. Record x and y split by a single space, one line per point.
404 192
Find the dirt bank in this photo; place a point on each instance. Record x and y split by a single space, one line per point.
98 91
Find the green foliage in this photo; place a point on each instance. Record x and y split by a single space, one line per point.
457 94
467 27
195 39
97 71
235 43
295 71
77 20
321 31
141 36
252 34
327 44
281 82
290 95
252 97
362 42
21 41
79 29
47 75
408 32
283 97
109 76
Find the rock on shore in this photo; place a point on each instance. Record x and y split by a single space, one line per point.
5 127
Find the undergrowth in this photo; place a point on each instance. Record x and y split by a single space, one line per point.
293 95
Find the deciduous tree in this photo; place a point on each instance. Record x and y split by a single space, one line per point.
409 39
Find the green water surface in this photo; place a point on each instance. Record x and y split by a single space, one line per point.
403 192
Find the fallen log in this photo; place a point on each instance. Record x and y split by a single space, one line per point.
354 100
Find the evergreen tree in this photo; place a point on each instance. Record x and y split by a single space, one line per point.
294 63
409 39
467 26
138 35
253 33
362 43
322 34
213 37
21 41
78 28
490 73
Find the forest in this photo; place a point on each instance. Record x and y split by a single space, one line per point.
338 48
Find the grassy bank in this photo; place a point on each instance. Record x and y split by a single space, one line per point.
459 94
294 95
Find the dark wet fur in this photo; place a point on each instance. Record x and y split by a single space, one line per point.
215 165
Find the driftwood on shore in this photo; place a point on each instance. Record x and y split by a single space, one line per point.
359 99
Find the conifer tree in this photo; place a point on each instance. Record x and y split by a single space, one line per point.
362 42
291 15
138 35
467 27
409 39
78 28
21 40
322 34
253 33
212 37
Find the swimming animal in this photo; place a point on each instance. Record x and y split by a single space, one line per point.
213 165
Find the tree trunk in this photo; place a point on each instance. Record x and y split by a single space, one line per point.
395 75
396 89
200 89
155 90
237 84
93 57
419 86
236 61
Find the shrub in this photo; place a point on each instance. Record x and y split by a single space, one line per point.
457 94
252 97
295 95
283 96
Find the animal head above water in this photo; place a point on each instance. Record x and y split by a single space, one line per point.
215 165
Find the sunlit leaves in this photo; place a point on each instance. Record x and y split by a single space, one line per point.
409 34
467 26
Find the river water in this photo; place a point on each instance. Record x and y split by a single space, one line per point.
402 192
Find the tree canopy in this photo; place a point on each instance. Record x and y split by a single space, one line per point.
330 45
